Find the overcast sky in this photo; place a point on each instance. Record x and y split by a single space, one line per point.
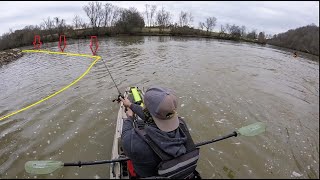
271 16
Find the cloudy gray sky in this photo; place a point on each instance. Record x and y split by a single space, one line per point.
268 16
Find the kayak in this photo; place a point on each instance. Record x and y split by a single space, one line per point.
121 166
124 169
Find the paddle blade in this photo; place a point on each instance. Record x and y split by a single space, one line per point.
252 129
42 167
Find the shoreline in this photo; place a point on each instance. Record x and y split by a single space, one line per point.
10 55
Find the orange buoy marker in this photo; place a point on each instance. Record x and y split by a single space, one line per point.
37 43
94 42
64 42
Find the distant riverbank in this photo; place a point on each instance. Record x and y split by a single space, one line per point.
10 55
156 31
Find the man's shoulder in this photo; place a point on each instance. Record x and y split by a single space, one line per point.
182 120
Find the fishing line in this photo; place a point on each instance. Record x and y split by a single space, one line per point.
111 76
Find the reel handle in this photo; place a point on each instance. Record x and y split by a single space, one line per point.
118 100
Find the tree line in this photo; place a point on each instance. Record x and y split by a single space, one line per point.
305 39
110 20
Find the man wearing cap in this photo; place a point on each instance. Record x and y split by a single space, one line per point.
162 105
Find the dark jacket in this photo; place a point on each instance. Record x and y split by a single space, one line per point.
144 160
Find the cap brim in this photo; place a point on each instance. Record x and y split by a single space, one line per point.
167 125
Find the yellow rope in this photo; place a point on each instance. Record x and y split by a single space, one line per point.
61 90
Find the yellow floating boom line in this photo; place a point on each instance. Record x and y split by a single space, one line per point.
62 89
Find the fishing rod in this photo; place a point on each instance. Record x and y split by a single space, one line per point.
46 167
120 95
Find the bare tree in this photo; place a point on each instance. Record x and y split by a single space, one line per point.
111 15
152 14
77 22
185 19
222 29
201 25
252 35
235 31
268 36
227 28
60 25
84 25
49 25
210 23
243 31
115 15
90 11
100 14
190 19
147 13
94 11
222 32
42 26
163 18
107 14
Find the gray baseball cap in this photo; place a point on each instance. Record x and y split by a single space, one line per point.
162 105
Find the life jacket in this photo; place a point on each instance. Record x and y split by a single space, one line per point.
182 167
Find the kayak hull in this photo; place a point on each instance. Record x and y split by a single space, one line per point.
119 170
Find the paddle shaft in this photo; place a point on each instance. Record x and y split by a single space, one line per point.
95 162
218 139
125 159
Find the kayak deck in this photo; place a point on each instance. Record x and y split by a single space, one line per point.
116 168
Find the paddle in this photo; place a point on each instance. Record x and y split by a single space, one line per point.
250 130
46 167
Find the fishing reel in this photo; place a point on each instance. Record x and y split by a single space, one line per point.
118 98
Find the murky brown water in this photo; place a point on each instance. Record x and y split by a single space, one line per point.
222 86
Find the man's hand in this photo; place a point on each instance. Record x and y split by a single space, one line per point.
129 112
126 102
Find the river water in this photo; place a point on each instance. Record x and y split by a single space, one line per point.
221 85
